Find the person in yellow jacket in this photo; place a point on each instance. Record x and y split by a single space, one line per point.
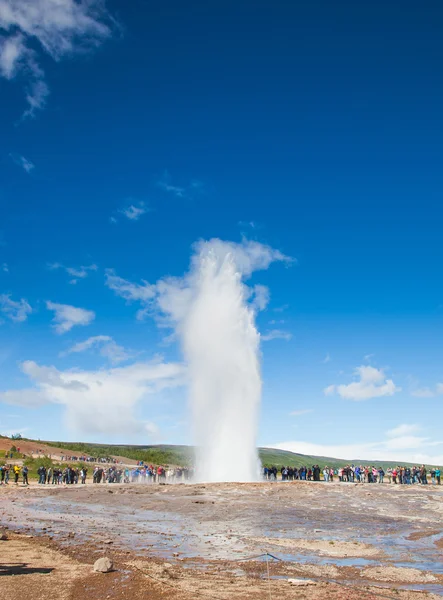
16 473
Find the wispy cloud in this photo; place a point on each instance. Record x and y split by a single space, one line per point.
5 268
424 392
276 334
399 444
142 293
97 401
249 225
15 310
302 411
280 309
75 272
107 347
62 28
21 161
165 183
326 359
371 383
133 212
403 429
418 391
66 317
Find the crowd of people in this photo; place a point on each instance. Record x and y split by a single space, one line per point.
141 474
356 473
71 475
6 471
89 459
117 473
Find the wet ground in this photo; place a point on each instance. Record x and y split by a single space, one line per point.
361 537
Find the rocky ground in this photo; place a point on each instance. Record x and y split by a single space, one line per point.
296 540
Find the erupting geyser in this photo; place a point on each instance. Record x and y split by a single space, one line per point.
213 312
221 346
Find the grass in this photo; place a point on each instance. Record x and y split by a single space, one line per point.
183 455
157 455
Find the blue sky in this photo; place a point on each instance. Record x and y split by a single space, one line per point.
131 132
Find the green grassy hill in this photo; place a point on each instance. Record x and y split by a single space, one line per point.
271 456
183 455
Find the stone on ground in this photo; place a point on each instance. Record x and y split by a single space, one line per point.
103 565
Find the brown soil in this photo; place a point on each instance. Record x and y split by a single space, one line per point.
35 569
186 542
419 535
33 448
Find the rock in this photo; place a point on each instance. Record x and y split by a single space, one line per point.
3 535
103 565
108 542
301 582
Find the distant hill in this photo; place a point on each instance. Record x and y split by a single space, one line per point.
271 456
181 455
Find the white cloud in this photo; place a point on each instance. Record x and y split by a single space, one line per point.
108 348
251 224
66 317
12 52
143 293
98 401
27 398
61 28
397 446
5 268
22 162
280 309
326 359
166 185
276 334
424 392
75 272
402 430
302 411
15 310
134 212
49 376
372 383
